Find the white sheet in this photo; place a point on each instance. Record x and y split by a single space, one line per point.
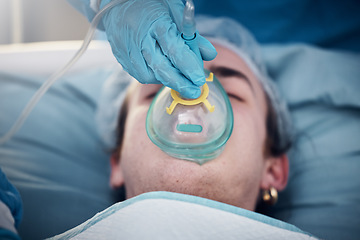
165 215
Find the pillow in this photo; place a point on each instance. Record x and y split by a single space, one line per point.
322 91
56 160
165 215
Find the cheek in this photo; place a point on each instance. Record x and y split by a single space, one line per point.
250 121
248 132
243 159
135 127
135 142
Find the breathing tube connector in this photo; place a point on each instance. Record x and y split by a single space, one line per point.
188 31
57 75
188 24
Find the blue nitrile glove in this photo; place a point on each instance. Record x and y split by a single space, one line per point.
145 38
11 198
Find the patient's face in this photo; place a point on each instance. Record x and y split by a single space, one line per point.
235 177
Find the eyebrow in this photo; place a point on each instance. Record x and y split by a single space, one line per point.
221 71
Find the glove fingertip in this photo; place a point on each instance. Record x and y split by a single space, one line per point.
190 92
207 50
208 55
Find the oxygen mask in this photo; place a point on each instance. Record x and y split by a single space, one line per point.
191 129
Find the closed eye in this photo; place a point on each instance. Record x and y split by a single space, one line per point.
151 95
235 97
150 91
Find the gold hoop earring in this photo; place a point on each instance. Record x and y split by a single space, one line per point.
270 196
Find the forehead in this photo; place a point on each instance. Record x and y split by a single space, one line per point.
228 56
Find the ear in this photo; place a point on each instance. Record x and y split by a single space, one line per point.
116 176
276 173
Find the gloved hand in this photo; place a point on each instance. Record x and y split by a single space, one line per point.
10 197
145 38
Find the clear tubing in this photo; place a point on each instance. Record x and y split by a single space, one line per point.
53 78
188 24
188 32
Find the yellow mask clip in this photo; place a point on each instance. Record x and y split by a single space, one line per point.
177 99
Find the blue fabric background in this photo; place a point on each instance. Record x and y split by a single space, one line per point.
56 160
322 91
325 23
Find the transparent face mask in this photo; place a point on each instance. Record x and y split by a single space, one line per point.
191 129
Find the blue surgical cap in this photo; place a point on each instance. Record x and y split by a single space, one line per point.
109 105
